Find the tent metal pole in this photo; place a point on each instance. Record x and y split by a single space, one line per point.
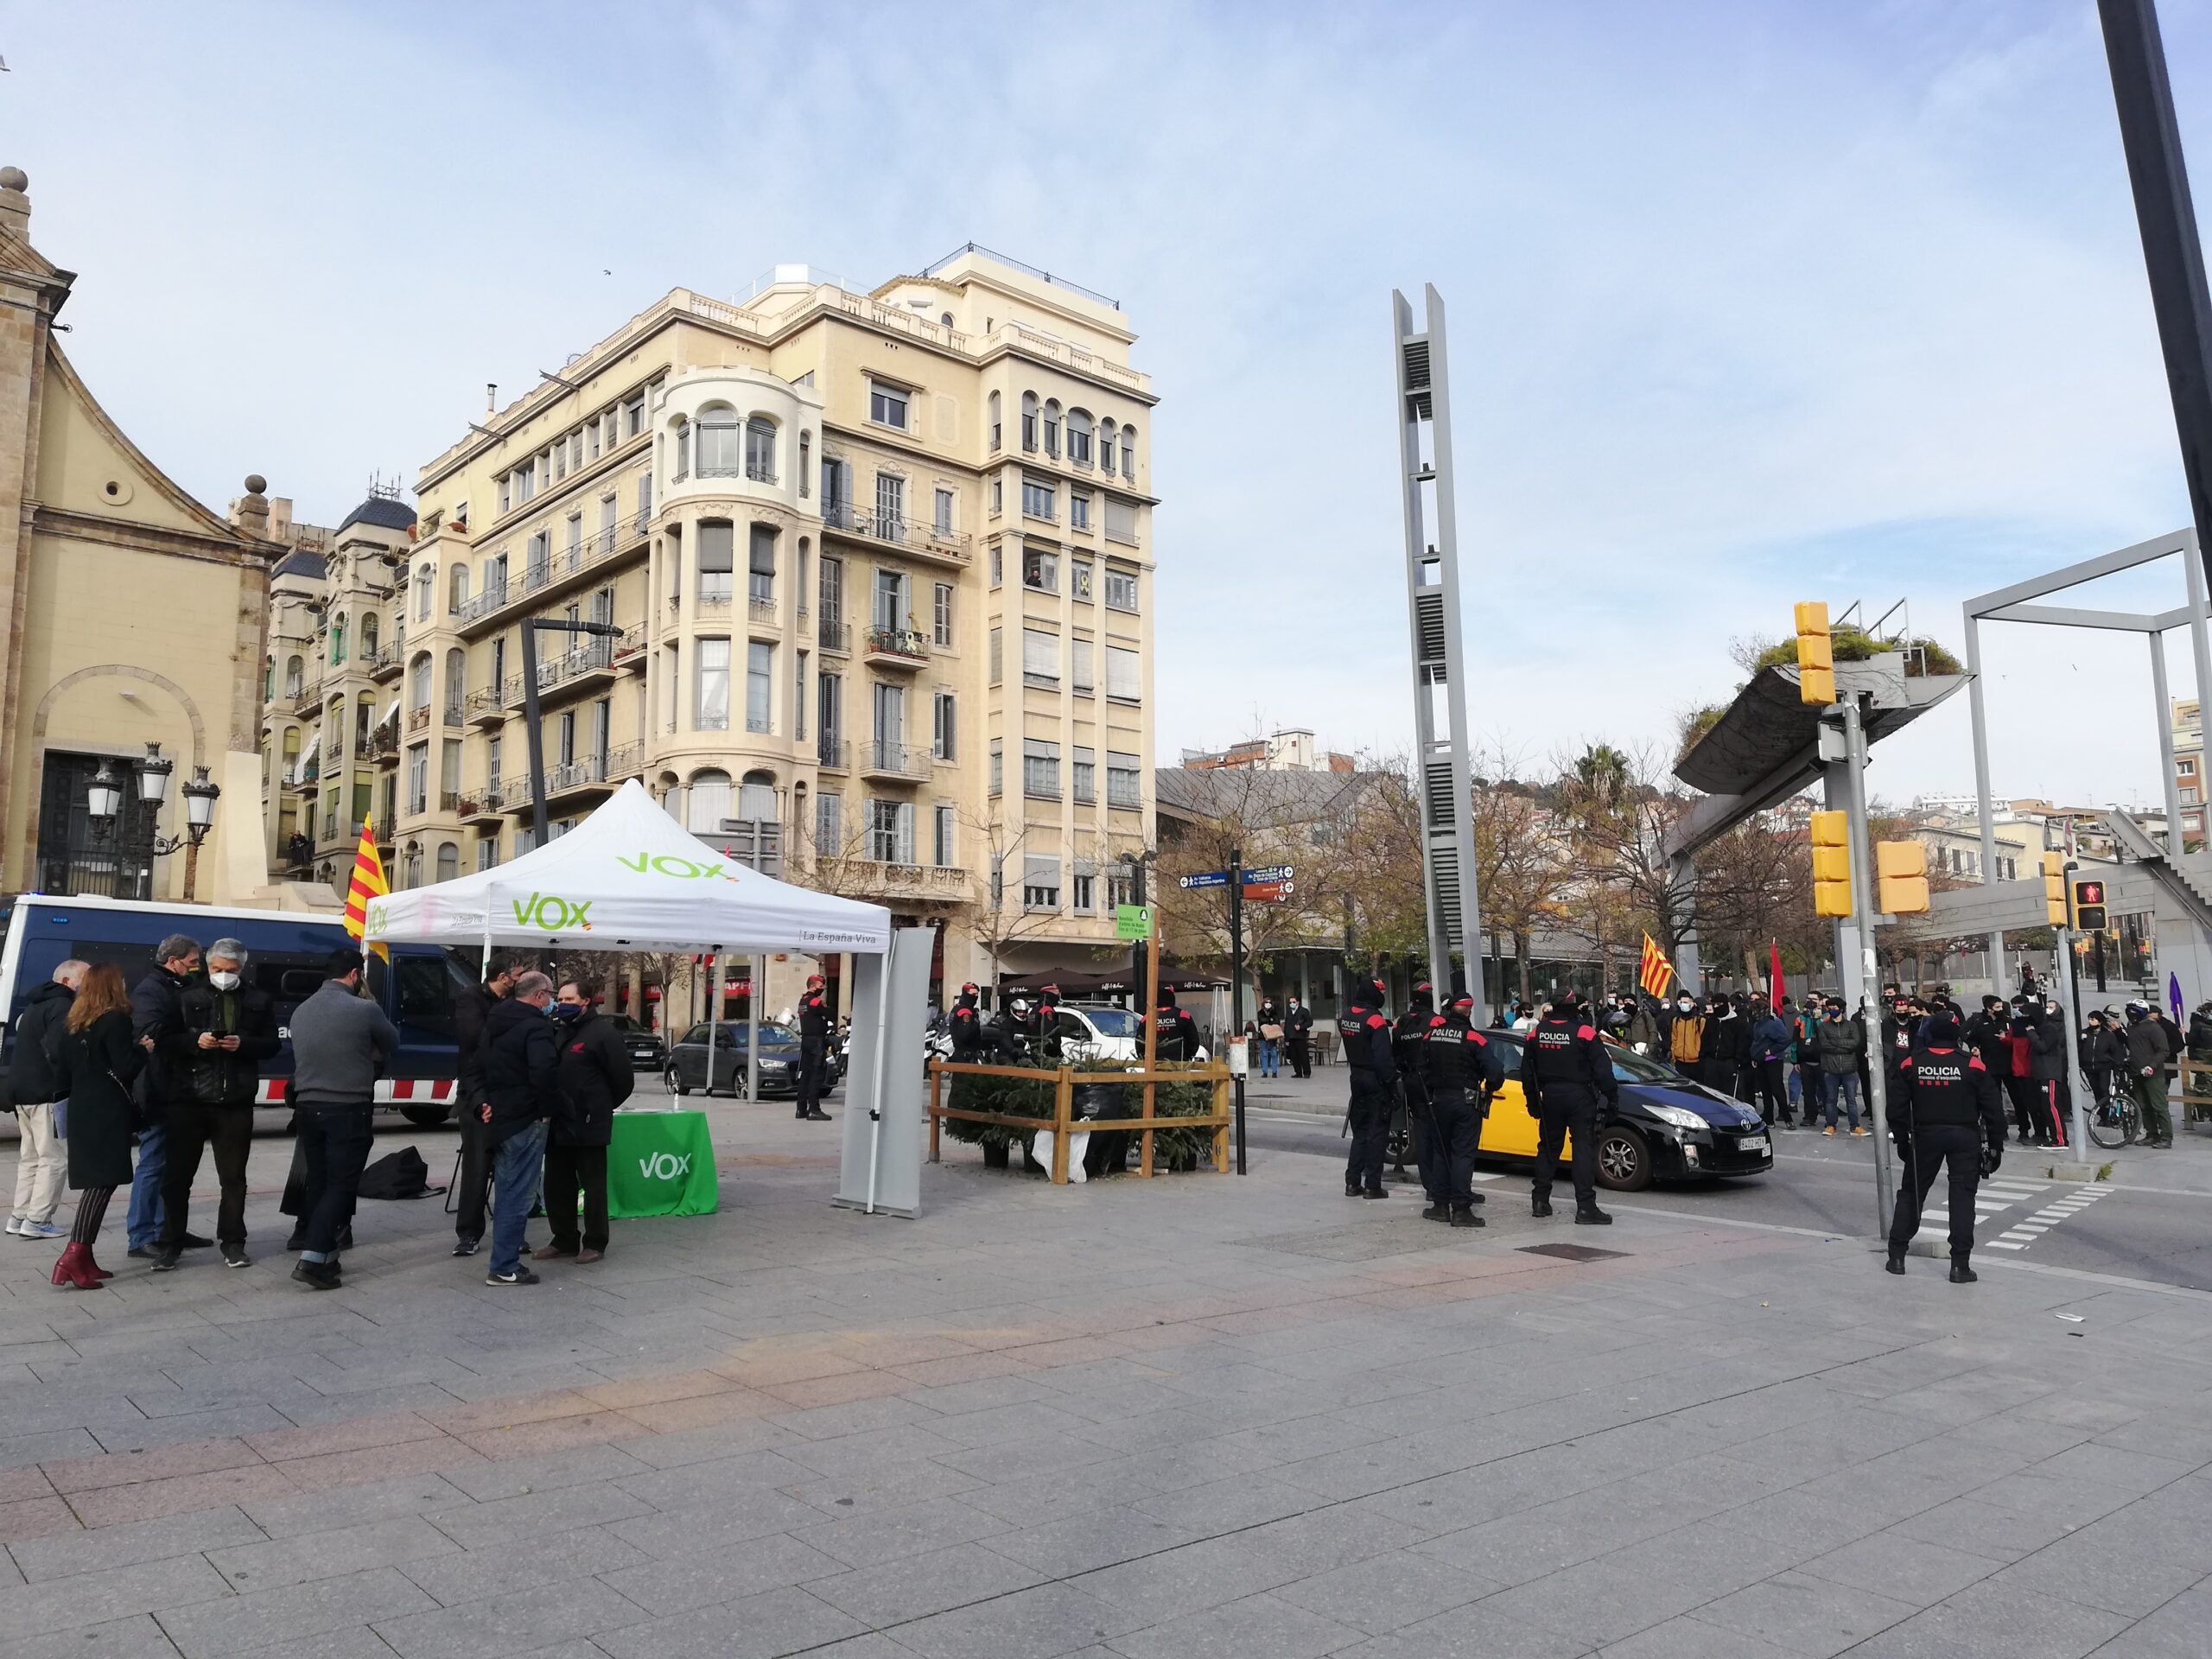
753 963
875 1098
714 1012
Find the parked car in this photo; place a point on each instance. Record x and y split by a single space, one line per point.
647 1051
687 1061
1099 1031
1666 1128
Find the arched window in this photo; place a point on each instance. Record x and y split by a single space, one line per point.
448 861
756 798
1079 437
1053 426
296 670
291 747
805 465
456 680
715 448
1106 443
1129 454
1029 422
683 448
369 634
946 319
418 681
760 449
994 420
458 586
707 801
425 577
338 639
365 721
410 867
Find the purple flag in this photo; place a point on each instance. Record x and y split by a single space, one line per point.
2173 995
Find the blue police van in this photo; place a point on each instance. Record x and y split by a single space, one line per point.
285 954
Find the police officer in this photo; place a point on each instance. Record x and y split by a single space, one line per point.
1460 1070
813 1049
968 1041
1565 1071
1369 1051
1048 1024
1410 1124
1946 1110
1176 1034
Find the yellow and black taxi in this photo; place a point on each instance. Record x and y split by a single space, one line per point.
1664 1128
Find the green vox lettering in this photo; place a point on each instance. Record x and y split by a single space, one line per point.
552 912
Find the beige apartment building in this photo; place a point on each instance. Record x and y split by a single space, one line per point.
873 573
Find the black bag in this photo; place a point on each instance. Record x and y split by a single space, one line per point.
401 1174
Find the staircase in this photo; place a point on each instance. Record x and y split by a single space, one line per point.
2142 849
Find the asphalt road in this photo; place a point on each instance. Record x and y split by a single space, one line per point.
1819 1185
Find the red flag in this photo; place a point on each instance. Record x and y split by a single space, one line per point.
1774 975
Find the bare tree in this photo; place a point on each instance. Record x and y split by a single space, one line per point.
1621 805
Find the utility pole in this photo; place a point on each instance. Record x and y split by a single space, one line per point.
1237 985
1855 956
533 725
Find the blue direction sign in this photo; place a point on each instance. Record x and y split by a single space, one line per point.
1271 873
1209 879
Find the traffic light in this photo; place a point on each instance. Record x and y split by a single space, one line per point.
1816 653
2054 887
1831 863
1901 877
2089 906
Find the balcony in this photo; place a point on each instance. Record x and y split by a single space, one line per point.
383 742
921 883
630 649
486 808
833 635
307 700
303 777
581 669
544 576
894 527
833 753
894 762
383 664
907 648
761 613
600 771
418 720
484 707
449 803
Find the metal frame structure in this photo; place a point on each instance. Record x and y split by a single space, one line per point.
1446 782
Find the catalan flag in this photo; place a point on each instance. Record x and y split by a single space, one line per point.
367 883
1654 973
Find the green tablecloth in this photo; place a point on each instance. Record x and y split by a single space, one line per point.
661 1163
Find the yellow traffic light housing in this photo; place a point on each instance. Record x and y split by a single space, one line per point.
1901 877
1816 653
2089 906
1831 862
2054 887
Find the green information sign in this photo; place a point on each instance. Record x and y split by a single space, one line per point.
661 1163
1133 921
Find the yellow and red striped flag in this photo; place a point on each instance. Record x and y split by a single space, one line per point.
1655 972
368 882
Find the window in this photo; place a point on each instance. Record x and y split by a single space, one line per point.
591 440
419 778
805 465
1029 422
506 491
828 709
424 579
1041 882
889 704
1083 774
998 655
998 766
994 420
2186 767
540 565
1078 510
717 443
756 798
493 747
369 634
575 539
707 803
1040 656
2191 796
944 718
1052 427
560 454
942 851
410 867
890 831
1040 769
886 405
890 612
487 852
644 499
683 450
761 565
717 547
941 616
1036 500
633 415
799 695
941 514
798 578
1122 780
1124 673
837 491
891 506
295 670
711 708
448 861
1041 571
1078 437
1121 521
760 683
833 591
1129 454
1080 888
526 482
829 825
337 640
456 685
1079 661
457 587
760 449
564 738
1121 589
1079 582
418 681
998 565
1106 444
998 498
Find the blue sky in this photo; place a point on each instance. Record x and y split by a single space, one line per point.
1749 303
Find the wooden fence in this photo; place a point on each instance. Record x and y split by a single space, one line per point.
1063 1122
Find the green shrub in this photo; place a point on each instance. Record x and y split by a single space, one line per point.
1008 1096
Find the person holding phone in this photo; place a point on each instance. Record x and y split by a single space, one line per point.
230 1028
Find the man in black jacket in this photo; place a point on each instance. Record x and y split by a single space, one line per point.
1298 1037
594 1078
157 1025
1565 1072
32 1087
1369 1051
1407 1038
522 1064
231 1028
1946 1110
813 1049
1461 1070
470 1012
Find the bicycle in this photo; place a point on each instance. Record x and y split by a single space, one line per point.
2114 1122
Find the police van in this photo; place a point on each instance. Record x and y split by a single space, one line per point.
285 952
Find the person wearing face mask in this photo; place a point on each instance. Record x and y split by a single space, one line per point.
1685 1037
522 1070
230 1028
594 1078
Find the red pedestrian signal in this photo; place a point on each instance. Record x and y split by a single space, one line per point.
2089 906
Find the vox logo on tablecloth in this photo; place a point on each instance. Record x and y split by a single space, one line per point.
552 912
665 1165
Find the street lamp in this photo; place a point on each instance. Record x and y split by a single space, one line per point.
104 806
533 726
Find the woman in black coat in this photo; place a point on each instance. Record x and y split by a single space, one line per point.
95 1062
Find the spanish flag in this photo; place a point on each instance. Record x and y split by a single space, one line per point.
367 883
1654 974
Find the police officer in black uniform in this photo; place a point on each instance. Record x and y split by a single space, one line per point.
1945 1109
1565 1072
1460 1070
1369 1051
1410 1125
1047 1018
1176 1034
968 1040
813 1050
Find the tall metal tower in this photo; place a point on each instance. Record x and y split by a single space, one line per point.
1445 782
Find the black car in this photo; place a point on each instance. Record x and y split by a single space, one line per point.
647 1051
687 1061
1665 1129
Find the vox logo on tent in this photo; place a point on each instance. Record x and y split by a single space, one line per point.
676 865
552 912
665 1165
376 916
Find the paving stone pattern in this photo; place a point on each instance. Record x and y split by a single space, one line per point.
1195 1417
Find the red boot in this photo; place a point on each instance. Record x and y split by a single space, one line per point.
98 1271
75 1266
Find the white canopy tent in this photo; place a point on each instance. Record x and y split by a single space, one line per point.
630 878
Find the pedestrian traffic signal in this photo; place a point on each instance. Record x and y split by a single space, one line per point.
1816 653
1901 877
2089 906
2054 887
1831 864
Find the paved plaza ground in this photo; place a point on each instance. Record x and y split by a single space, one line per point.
1200 1416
